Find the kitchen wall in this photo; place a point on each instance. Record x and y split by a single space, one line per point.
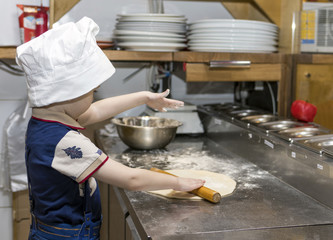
13 87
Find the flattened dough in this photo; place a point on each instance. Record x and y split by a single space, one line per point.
216 181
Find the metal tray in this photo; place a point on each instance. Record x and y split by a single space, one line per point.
320 141
282 124
320 144
218 108
257 119
302 132
244 112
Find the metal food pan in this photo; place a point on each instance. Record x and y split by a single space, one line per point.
225 107
282 124
322 143
319 141
244 112
221 108
302 132
257 119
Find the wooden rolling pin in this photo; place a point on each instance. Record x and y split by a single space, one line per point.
203 192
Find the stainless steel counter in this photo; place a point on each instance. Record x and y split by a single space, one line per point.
261 207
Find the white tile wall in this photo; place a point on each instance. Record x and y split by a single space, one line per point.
6 224
5 199
12 87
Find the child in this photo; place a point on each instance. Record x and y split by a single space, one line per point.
63 68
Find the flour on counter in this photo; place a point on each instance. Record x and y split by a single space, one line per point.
244 173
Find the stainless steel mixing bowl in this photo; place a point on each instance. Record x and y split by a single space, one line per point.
146 132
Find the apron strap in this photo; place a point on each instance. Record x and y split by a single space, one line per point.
31 200
87 198
86 228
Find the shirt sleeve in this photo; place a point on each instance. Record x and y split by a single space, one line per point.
77 157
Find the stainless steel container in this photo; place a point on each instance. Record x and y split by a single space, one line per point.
256 119
146 132
321 144
281 125
301 132
244 112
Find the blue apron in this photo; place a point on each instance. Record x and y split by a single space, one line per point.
88 230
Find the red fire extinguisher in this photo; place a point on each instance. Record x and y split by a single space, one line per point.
41 21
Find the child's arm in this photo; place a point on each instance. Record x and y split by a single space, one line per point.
110 107
119 175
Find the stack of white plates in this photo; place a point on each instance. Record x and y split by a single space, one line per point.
231 35
150 32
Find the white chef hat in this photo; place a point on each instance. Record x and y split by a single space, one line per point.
63 63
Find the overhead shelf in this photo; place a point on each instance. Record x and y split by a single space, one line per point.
205 57
313 58
7 52
183 56
120 55
113 55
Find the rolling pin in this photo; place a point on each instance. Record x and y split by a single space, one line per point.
203 191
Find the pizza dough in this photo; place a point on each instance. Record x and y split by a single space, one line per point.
215 181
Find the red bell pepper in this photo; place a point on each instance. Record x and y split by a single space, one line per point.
303 110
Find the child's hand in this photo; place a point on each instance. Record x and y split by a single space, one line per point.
160 102
188 184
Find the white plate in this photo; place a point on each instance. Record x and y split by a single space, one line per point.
156 26
145 33
233 22
152 23
146 46
143 44
239 37
148 39
236 46
173 20
229 49
226 50
163 15
234 42
233 26
151 29
231 30
152 17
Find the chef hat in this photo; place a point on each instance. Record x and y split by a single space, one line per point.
63 63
